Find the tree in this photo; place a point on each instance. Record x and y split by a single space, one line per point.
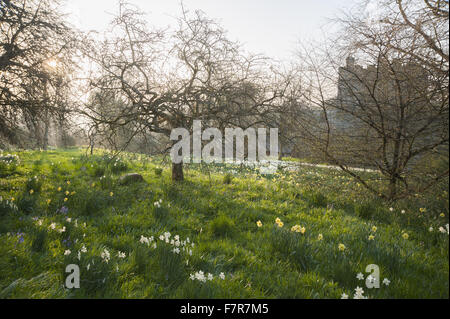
391 109
167 80
33 34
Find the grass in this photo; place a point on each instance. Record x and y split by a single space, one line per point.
62 207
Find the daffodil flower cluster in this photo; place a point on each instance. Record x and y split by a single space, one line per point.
175 241
202 277
298 229
105 255
444 230
158 203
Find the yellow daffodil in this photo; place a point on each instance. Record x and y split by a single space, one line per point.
341 247
111 194
68 182
59 189
259 224
67 193
277 220
280 224
374 229
13 199
31 192
371 237
65 200
320 237
49 201
442 215
405 236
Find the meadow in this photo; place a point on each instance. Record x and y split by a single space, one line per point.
226 232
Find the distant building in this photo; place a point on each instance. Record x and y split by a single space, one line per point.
367 88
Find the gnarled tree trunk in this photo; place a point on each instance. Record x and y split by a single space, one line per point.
177 172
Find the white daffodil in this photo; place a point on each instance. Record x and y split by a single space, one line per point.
359 291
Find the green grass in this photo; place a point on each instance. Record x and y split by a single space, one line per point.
59 201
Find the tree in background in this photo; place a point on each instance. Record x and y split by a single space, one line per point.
34 40
389 110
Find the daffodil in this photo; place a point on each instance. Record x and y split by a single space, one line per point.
374 229
320 237
65 199
31 192
259 224
295 229
342 247
59 189
371 237
405 236
49 201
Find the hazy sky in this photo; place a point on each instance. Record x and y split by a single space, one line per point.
271 27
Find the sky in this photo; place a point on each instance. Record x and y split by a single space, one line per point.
269 27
